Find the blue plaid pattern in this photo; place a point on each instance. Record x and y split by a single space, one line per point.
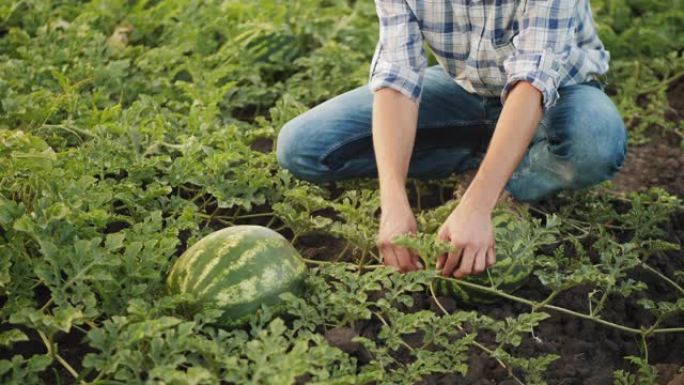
486 46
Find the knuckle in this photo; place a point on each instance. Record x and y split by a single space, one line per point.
477 244
457 243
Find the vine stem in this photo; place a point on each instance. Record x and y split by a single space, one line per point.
645 346
667 330
543 305
661 275
323 263
98 377
316 262
534 304
73 130
52 351
200 195
662 84
255 215
219 218
547 300
384 322
477 344
341 253
584 231
602 301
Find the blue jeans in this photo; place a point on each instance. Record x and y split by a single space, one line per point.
579 142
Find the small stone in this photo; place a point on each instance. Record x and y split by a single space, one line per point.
677 380
342 339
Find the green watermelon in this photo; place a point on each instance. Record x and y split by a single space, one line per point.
508 274
237 269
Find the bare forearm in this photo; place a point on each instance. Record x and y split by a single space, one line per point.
394 132
517 123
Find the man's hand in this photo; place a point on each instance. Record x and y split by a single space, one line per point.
397 219
469 229
469 226
394 131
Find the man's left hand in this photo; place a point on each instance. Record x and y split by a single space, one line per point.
469 229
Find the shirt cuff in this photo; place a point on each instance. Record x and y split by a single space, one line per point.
540 69
398 78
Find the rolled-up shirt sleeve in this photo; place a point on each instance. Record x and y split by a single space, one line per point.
541 47
399 61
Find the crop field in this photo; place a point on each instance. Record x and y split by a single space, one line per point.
129 130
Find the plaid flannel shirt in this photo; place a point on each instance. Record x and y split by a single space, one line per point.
488 45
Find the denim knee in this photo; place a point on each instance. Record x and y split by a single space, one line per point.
288 150
284 145
601 144
585 143
295 155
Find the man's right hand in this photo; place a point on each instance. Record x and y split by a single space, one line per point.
396 218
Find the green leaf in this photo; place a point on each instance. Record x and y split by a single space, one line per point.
9 337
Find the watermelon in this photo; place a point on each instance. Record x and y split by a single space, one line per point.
508 274
236 270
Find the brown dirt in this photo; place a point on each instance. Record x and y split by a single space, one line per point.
660 162
675 95
657 163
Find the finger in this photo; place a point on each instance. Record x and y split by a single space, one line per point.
443 236
453 258
466 266
491 256
404 259
417 261
480 261
440 261
388 257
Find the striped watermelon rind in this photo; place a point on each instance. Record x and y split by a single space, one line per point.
507 275
237 269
